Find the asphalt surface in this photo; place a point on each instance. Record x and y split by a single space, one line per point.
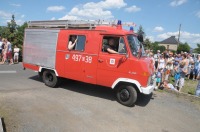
27 105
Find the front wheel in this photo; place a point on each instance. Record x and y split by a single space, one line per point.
50 79
126 95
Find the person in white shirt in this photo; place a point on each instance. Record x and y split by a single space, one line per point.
16 54
156 58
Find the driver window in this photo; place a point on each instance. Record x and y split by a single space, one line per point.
116 44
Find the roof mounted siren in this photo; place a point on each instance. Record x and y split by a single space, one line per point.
119 24
131 29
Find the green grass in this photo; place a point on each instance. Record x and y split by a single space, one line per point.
189 86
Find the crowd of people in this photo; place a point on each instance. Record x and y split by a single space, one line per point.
6 52
179 66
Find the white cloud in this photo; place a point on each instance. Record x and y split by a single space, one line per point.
16 5
55 8
92 10
68 17
133 9
158 29
106 4
151 38
5 15
198 14
190 38
177 2
89 13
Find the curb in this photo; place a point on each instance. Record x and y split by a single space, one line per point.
185 95
1 125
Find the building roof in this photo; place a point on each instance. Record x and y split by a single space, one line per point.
170 40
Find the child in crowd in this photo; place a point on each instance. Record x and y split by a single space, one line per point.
158 78
168 85
182 70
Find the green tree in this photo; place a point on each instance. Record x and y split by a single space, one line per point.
197 50
147 43
156 47
13 32
183 47
20 35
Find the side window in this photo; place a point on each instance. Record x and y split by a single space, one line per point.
116 44
76 42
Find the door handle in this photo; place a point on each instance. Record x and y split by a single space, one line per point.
100 60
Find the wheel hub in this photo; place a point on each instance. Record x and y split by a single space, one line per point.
50 77
124 95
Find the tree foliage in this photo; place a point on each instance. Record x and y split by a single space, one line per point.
147 43
183 48
197 50
13 32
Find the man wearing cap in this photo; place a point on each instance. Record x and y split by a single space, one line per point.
156 58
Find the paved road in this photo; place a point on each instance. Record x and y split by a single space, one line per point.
27 105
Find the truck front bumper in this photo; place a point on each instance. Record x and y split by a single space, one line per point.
148 89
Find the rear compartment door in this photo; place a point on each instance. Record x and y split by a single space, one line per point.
74 58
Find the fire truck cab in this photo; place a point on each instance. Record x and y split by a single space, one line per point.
79 50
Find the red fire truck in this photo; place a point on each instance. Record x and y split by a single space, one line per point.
47 50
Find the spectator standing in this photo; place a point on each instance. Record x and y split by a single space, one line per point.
161 66
177 59
196 67
169 66
9 53
182 70
198 85
1 48
156 58
191 65
16 54
4 50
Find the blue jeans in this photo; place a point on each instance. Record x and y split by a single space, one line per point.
198 92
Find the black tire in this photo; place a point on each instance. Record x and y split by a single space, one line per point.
40 76
126 95
50 79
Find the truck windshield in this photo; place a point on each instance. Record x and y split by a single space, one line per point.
135 44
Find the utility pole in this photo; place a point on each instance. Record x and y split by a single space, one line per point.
179 34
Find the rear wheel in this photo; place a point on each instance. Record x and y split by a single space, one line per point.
50 79
126 95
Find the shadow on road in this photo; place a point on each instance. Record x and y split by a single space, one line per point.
143 99
96 90
36 78
88 89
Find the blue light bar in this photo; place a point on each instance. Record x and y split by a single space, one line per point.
131 29
119 22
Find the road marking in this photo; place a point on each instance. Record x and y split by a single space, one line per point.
8 71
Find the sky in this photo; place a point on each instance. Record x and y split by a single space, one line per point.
160 19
